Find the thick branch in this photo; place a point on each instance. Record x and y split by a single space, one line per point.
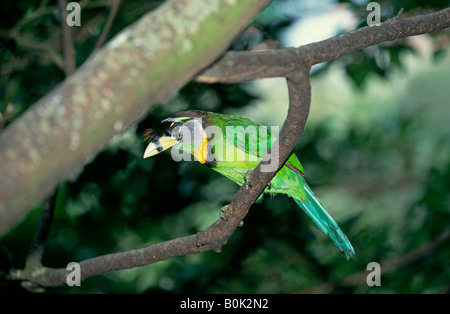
235 67
147 62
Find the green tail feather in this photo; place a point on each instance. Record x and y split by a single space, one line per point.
325 222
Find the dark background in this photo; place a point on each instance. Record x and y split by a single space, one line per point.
375 150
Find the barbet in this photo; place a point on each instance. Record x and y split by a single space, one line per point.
233 146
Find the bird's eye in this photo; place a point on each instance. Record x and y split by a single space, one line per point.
176 132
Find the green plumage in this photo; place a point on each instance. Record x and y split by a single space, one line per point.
239 148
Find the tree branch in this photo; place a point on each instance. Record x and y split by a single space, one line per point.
295 65
40 237
46 47
67 42
102 38
234 67
386 267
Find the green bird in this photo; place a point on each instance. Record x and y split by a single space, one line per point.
233 146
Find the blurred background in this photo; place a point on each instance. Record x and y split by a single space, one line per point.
375 151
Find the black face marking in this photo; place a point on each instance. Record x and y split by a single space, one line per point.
157 145
169 128
164 129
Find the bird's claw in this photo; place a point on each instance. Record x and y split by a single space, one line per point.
247 177
223 213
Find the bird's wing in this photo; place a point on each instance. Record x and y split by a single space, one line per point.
249 136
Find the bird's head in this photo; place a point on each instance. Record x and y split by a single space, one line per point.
184 127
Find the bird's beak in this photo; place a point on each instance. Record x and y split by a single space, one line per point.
158 145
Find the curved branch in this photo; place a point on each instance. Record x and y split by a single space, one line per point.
234 67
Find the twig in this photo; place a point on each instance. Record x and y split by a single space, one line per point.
386 267
43 9
39 46
40 237
234 67
34 257
67 41
399 13
102 38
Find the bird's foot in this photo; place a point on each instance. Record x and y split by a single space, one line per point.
247 178
223 214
